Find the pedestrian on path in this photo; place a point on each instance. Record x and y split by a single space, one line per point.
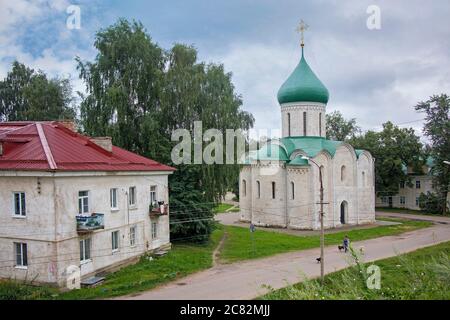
346 243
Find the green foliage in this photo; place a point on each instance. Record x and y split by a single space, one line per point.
138 93
19 290
222 207
29 95
340 129
394 149
423 274
437 129
431 202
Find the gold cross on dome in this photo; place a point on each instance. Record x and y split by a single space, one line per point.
302 27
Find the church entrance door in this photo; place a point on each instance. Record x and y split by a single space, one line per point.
343 212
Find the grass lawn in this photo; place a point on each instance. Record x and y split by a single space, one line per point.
410 211
182 260
185 259
422 274
240 245
222 207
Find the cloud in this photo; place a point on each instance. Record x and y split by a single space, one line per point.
374 76
34 32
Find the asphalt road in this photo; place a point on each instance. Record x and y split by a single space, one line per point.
245 280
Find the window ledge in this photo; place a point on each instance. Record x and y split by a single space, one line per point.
115 209
115 251
83 262
21 267
19 217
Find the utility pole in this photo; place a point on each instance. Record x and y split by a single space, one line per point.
322 231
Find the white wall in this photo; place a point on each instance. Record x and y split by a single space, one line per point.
50 231
302 212
313 110
410 193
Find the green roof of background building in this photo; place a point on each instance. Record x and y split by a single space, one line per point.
303 86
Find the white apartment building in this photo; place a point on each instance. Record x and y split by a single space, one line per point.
70 200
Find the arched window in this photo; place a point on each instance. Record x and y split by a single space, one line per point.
320 124
304 123
289 124
292 190
273 190
258 189
342 173
363 179
244 188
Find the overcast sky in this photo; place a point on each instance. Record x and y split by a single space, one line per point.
372 75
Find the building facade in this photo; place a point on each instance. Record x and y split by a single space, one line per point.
280 185
73 201
409 193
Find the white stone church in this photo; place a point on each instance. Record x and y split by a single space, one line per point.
279 184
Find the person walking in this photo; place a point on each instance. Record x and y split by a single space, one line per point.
346 243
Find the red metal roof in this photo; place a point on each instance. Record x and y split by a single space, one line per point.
50 146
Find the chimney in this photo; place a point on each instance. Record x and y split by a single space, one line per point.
103 142
69 124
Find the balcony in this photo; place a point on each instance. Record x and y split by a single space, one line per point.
87 224
160 209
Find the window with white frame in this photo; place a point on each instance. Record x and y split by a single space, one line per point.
417 201
113 196
402 200
83 202
152 194
133 236
85 249
417 184
402 184
21 253
154 230
244 188
115 240
384 199
132 196
19 204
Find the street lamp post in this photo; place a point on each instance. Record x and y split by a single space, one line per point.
322 232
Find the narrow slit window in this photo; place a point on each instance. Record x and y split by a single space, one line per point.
273 190
292 190
289 124
320 124
304 123
258 188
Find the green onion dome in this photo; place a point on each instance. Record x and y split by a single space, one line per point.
303 86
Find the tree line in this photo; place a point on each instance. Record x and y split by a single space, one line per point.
138 93
395 149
